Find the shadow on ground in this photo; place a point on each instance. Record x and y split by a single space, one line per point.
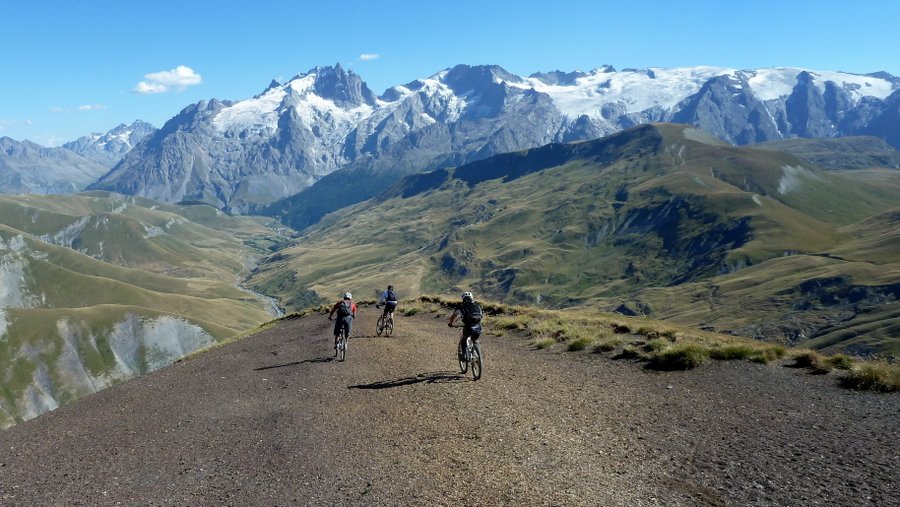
438 377
294 363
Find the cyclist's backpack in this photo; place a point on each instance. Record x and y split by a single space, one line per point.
471 313
345 310
391 296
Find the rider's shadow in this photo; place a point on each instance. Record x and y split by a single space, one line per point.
438 377
295 363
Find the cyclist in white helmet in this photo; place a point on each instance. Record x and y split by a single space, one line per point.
346 312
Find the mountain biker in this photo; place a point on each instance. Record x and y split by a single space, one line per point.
471 315
346 311
389 300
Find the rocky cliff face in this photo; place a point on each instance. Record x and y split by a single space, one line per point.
243 155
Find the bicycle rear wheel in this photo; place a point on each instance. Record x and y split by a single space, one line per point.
476 362
389 326
379 326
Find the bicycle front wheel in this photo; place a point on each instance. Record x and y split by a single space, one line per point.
476 362
379 327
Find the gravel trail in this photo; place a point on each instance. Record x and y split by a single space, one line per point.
273 420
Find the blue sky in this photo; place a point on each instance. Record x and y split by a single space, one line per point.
70 68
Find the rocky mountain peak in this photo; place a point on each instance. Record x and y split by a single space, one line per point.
343 87
474 80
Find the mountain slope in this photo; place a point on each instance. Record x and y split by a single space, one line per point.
97 288
843 153
601 223
244 155
28 168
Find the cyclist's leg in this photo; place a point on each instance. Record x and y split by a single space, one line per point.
389 308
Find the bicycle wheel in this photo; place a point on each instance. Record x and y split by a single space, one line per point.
379 326
461 355
342 346
476 362
389 326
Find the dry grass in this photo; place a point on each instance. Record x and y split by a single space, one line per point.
662 345
875 376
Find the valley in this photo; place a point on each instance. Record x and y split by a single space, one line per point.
98 288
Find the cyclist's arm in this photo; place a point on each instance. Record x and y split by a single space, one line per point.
453 317
333 309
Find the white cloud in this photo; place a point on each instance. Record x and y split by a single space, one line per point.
12 123
56 109
176 79
49 141
91 107
369 56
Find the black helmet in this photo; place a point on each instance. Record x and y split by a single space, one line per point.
390 287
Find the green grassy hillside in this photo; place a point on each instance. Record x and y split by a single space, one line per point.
645 220
96 288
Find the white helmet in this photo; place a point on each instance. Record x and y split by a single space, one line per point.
467 296
347 295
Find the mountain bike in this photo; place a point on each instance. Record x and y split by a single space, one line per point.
469 355
385 324
342 344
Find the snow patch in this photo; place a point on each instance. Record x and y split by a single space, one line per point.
757 200
775 83
636 90
257 114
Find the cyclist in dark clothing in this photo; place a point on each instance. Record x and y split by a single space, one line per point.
389 300
346 311
471 313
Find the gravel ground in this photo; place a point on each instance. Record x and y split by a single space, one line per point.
274 420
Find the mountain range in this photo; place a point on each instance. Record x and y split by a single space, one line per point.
107 149
29 168
323 139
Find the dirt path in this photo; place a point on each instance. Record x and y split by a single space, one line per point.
273 420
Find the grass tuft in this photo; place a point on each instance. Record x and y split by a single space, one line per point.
875 376
580 343
543 343
608 345
680 357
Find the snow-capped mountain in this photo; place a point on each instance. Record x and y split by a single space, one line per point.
29 168
107 149
240 155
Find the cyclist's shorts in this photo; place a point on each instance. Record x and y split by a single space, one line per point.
390 306
341 323
473 331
